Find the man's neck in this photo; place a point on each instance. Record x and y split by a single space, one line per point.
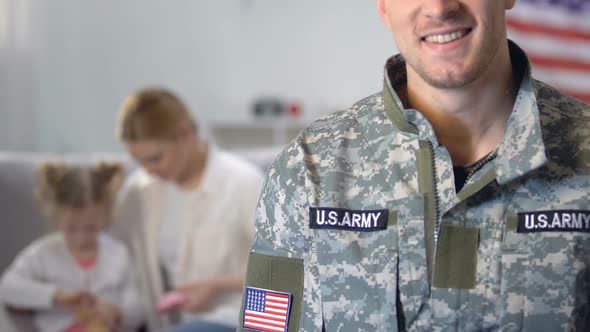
469 121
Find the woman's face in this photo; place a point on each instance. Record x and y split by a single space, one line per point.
82 226
162 159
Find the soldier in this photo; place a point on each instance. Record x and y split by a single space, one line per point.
454 200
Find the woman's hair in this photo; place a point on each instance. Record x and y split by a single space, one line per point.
153 114
77 186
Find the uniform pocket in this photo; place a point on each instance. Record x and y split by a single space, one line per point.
357 277
544 280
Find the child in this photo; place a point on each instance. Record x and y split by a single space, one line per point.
77 278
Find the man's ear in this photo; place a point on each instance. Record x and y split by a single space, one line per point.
383 11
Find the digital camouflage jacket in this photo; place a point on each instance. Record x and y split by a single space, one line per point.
360 223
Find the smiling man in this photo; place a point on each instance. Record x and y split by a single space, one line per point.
473 168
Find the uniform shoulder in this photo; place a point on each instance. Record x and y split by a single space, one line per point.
557 105
332 125
330 133
565 129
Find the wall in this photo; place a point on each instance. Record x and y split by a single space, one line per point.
17 120
219 55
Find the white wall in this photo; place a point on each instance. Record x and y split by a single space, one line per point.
17 121
218 55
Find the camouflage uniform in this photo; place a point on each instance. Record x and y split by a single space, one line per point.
458 261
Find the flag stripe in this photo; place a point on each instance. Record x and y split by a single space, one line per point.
266 322
551 46
263 320
274 306
277 311
283 296
559 63
550 15
570 80
275 298
263 327
265 315
543 29
579 95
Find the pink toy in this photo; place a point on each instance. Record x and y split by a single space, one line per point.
171 300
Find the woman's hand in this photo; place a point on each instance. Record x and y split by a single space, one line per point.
201 295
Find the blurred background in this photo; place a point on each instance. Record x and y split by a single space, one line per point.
66 65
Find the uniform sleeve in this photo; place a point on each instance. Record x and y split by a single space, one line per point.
282 210
282 256
22 284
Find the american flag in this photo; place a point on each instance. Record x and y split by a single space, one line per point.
556 36
266 310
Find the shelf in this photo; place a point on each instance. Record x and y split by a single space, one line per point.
257 132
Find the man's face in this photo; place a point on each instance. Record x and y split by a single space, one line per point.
447 43
163 159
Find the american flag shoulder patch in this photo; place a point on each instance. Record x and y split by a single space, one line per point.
266 310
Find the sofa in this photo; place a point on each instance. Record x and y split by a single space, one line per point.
22 221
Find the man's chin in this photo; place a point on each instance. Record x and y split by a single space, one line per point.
450 80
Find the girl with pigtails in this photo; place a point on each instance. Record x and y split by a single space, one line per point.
76 278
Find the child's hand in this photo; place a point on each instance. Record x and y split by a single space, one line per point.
108 314
73 300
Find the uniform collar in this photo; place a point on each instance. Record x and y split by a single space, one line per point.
522 149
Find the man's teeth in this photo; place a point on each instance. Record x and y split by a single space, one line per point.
445 38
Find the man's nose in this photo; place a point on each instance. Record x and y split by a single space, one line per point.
440 9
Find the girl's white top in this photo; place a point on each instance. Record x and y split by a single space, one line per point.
47 264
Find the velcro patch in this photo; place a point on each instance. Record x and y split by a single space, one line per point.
345 219
266 310
554 221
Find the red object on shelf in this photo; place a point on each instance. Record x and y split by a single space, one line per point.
294 109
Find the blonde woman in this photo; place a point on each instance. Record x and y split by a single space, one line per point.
77 278
187 214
